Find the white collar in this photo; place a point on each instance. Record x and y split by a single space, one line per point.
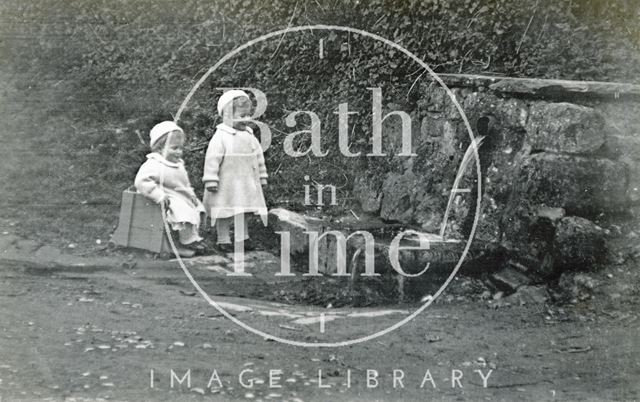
159 158
231 130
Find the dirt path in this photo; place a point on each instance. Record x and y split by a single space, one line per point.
95 335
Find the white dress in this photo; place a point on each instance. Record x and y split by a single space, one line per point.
235 163
159 179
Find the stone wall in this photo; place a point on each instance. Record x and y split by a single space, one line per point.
557 158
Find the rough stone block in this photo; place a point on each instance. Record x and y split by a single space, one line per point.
565 127
624 146
368 197
579 243
582 186
397 191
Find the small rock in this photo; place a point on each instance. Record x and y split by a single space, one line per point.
577 286
198 390
510 279
551 213
530 295
432 338
426 298
178 343
585 281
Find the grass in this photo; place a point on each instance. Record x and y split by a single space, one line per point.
61 180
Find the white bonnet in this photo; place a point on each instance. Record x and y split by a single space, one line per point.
161 129
228 97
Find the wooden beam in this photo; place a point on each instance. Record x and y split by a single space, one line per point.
537 86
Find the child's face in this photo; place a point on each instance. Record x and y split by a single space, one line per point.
241 110
174 146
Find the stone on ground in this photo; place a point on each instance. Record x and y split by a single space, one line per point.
530 295
579 243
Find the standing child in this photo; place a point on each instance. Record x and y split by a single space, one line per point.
234 171
163 179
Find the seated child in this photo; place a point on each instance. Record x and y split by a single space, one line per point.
234 171
163 179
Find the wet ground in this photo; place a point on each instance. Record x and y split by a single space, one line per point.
117 333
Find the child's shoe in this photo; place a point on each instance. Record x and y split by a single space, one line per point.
198 247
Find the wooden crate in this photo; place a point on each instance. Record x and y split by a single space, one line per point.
140 224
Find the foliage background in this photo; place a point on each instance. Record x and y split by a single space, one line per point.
84 81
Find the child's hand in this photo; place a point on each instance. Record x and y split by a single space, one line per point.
164 201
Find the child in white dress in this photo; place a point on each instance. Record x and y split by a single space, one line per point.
234 170
164 179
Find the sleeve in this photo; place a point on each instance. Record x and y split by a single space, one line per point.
147 183
213 159
262 167
187 188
